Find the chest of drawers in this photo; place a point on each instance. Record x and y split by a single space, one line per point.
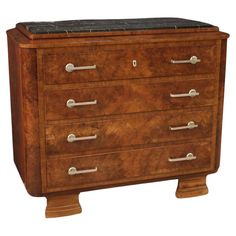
106 103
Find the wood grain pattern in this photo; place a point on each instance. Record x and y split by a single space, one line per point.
124 166
170 37
150 128
16 109
132 116
116 62
191 187
31 121
24 108
128 98
220 100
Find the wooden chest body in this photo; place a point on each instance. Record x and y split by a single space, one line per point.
136 107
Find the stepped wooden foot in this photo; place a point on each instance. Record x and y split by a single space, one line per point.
62 205
191 187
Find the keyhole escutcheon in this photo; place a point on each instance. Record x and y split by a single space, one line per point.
134 63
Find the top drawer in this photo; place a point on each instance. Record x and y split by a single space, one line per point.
101 63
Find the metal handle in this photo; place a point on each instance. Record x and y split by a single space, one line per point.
188 157
192 93
190 125
70 67
74 171
193 60
71 103
72 138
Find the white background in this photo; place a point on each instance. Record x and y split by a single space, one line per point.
146 209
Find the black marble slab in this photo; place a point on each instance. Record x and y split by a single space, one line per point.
79 26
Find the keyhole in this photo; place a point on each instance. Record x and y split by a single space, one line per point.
134 63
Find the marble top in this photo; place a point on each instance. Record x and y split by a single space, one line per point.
79 26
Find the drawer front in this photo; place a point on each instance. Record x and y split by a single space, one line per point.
84 64
127 98
93 64
121 167
178 59
136 129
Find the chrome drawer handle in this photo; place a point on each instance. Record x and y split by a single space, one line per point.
72 138
70 67
193 60
74 171
188 157
71 103
192 93
190 125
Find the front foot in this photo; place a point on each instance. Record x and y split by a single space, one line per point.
191 187
62 205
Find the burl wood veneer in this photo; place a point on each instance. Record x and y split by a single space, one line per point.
105 103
